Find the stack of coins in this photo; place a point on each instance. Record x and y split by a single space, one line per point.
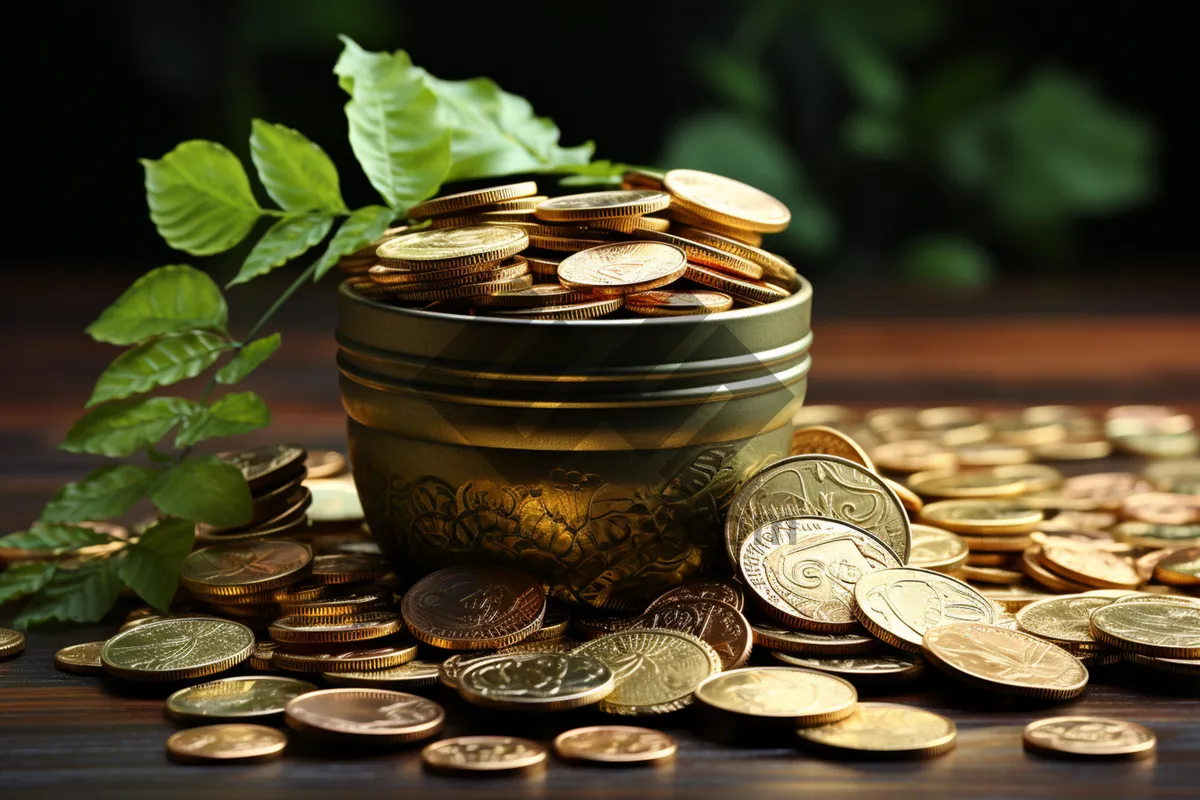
276 477
507 251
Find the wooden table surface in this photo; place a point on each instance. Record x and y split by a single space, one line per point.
63 735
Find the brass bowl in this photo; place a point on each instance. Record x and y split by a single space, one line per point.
598 456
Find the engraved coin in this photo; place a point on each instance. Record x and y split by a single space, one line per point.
477 198
1066 621
414 673
536 681
1163 508
936 549
994 517
11 642
234 699
820 440
901 605
615 744
474 608
348 567
1099 737
176 649
80 659
1005 661
368 625
334 501
345 659
913 455
808 643
817 486
230 742
1161 629
676 303
971 484
805 696
726 201
347 605
656 671
450 669
1105 489
703 589
1181 568
326 463
720 625
365 715
866 670
1089 565
602 205
245 568
450 247
267 466
803 571
622 267
492 755
887 730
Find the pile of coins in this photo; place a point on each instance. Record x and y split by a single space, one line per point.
681 243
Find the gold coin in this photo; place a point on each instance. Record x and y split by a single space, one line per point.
656 671
248 568
452 203
816 644
886 730
1037 477
995 517
1031 565
542 264
80 659
747 290
489 216
1074 448
1089 565
1106 489
450 287
235 699
491 755
520 279
1017 429
900 605
805 696
622 268
1159 629
1146 534
11 643
294 520
1013 598
615 744
828 415
642 179
602 205
990 575
682 217
453 247
324 463
869 670
368 625
230 742
911 501
1066 621
995 544
350 659
1181 568
396 280
722 591
177 649
1079 521
1098 737
803 571
817 486
539 295
936 549
335 568
1172 666
536 681
591 309
675 303
975 484
913 455
821 440
1004 661
726 201
991 454
555 622
568 244
1173 474
713 257
414 673
367 716
265 467
452 667
1145 419
443 608
336 607
1148 597
260 657
632 224
774 267
718 624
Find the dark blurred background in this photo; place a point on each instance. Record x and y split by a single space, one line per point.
923 141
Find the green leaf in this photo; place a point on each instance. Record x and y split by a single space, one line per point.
200 198
122 428
22 579
79 592
248 359
874 135
107 492
946 260
171 299
395 127
496 133
151 564
295 171
53 537
283 241
360 229
232 414
158 362
204 490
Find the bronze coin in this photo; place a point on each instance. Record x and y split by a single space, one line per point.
366 716
702 589
489 755
720 625
821 440
474 608
1162 508
1107 490
267 466
368 625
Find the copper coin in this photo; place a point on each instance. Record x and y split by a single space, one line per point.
1090 737
720 625
228 742
615 744
1163 508
828 441
364 715
474 608
623 267
703 589
1107 490
348 568
490 755
1089 565
267 466
368 625
676 303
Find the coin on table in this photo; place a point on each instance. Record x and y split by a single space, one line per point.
602 205
900 605
1143 419
11 642
817 486
414 673
702 589
1005 661
80 659
1189 667
1163 508
235 699
994 517
815 644
555 622
177 649
1013 598
802 695
913 455
474 608
677 303
1099 737
489 755
368 625
622 267
1181 568
267 466
1160 445
991 454
1159 629
453 247
886 730
869 670
328 608
991 575
536 682
1089 565
981 484
348 659
1106 489
245 568
820 440
452 667
365 715
615 744
229 742
1145 534
656 671
1004 545
1031 565
348 567
1066 621
936 549
803 570
726 201
477 198
720 625
334 501
325 463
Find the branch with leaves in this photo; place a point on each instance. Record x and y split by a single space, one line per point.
410 132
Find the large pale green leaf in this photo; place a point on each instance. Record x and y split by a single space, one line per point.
104 493
53 537
395 128
82 591
124 427
172 299
283 241
295 171
159 362
200 198
204 490
232 414
150 565
248 359
360 229
19 580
